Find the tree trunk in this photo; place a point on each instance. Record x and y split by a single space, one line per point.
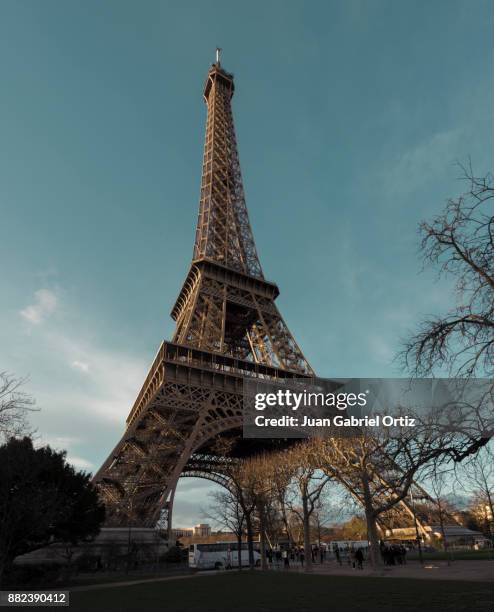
285 522
239 550
491 508
262 538
370 518
250 539
307 542
443 532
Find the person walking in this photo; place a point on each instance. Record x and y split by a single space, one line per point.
278 556
359 558
337 554
286 561
403 555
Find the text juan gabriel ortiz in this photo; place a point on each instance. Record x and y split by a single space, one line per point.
293 400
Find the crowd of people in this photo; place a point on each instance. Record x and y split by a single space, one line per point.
394 554
295 554
354 556
288 556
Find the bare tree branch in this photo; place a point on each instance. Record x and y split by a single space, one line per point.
460 243
15 406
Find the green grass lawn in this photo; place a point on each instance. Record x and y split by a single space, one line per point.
105 578
275 591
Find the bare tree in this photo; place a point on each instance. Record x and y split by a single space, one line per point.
244 484
15 405
380 469
479 473
243 479
438 486
281 474
275 526
227 510
323 514
353 529
460 242
308 485
247 495
296 525
257 483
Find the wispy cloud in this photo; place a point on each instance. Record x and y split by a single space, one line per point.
382 350
67 443
85 414
80 462
83 386
80 365
45 304
112 378
418 166
59 442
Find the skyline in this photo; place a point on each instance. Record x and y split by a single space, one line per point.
104 125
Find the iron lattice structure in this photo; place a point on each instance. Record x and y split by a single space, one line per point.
225 305
227 328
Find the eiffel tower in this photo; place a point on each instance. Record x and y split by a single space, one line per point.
227 328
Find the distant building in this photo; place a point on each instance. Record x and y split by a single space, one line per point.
185 532
109 548
203 530
456 535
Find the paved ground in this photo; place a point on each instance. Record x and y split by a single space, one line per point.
470 571
482 571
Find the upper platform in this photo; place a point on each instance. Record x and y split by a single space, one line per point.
223 274
217 73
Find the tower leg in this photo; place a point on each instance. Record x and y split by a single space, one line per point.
190 408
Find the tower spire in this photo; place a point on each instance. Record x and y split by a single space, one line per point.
218 53
223 230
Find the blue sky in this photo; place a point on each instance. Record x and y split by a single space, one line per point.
350 117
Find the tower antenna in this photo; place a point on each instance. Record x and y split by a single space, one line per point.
218 52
